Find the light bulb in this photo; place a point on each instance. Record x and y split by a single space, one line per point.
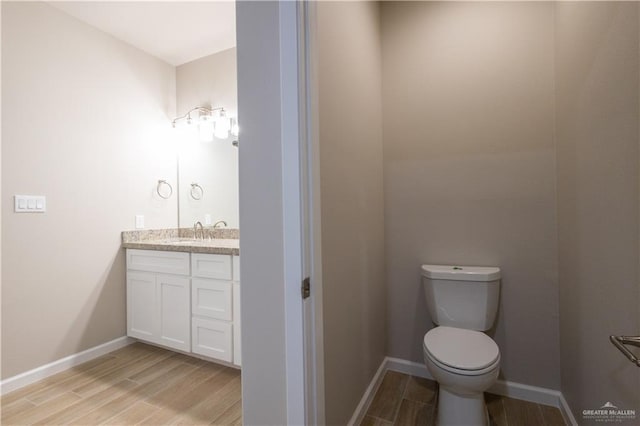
222 125
205 131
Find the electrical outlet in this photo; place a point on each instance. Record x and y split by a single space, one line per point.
207 219
139 221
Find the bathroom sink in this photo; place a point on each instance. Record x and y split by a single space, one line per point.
185 242
216 242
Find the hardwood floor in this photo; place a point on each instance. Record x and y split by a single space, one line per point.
138 384
145 385
403 400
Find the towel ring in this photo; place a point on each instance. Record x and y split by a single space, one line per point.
194 191
160 183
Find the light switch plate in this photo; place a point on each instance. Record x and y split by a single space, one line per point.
139 221
30 204
207 219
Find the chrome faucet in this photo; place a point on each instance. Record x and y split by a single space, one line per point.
216 225
195 230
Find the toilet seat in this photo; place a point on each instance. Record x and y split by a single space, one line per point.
460 372
461 351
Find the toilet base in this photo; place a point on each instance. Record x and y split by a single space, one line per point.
461 410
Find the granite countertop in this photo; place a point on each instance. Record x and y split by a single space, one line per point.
216 241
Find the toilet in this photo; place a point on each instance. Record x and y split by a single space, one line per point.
463 303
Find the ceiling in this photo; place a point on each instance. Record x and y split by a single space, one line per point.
176 32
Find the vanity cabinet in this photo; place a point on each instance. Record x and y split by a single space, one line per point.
185 301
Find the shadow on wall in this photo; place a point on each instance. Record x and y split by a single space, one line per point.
423 321
139 68
104 310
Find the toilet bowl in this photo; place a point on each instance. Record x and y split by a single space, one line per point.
465 363
462 302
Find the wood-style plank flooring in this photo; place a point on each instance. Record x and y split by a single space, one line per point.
138 384
403 400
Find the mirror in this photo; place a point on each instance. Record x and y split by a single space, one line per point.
207 170
208 183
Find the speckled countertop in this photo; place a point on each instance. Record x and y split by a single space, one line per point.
216 241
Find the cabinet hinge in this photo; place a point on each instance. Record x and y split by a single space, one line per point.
306 287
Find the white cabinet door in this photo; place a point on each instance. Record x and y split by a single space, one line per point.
174 304
142 318
212 338
236 325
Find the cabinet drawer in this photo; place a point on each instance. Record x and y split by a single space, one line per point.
212 338
211 298
168 262
217 266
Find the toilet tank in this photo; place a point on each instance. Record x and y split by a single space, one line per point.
462 296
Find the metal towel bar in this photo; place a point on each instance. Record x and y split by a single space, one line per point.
620 342
160 194
196 191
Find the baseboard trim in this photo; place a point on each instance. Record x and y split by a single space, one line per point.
369 393
521 391
42 372
408 367
535 394
567 414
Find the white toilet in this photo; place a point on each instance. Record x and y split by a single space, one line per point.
463 302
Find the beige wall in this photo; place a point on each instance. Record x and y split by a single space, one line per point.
352 202
209 81
84 122
469 169
598 135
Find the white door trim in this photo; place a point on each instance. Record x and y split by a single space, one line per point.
312 257
314 331
273 214
292 212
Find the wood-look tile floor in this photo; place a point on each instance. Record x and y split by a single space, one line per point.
403 400
138 384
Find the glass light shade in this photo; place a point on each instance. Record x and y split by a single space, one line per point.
222 125
235 129
206 130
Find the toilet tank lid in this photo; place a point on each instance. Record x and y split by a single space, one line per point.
461 273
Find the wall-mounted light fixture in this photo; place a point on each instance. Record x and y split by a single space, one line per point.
210 121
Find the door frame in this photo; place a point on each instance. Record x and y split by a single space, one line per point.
311 212
279 215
